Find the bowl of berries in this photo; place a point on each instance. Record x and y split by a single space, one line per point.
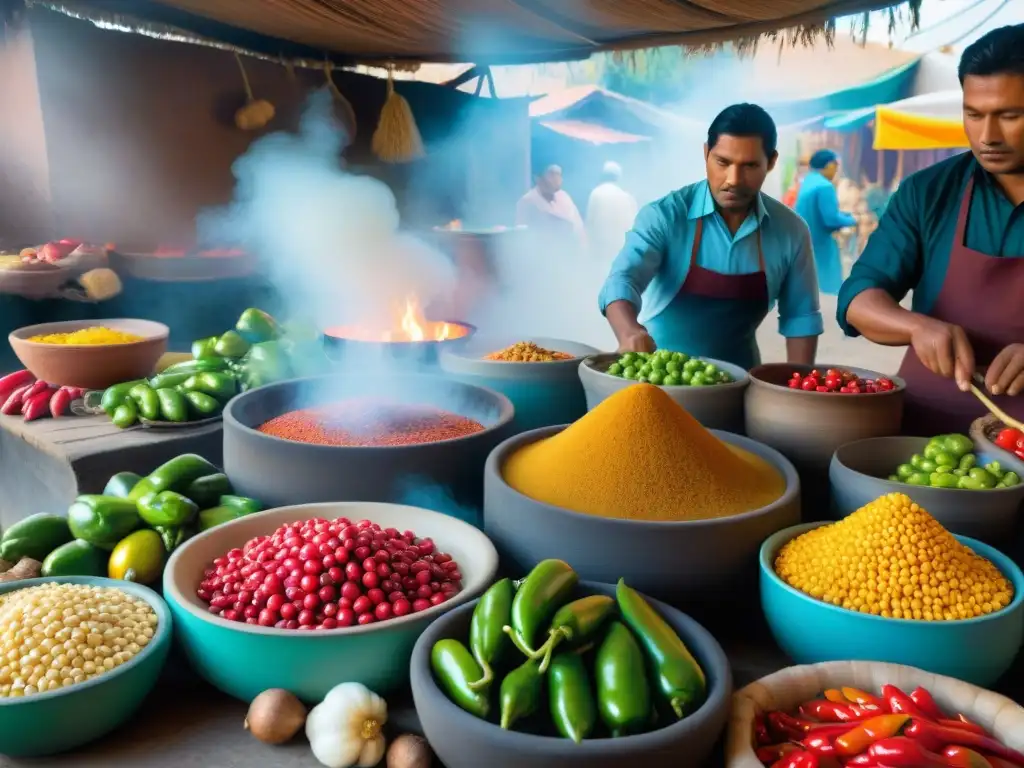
808 412
310 596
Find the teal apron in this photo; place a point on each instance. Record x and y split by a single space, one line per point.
715 315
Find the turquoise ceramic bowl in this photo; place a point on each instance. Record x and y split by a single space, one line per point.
978 650
243 659
58 721
543 394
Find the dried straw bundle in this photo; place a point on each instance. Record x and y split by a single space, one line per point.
397 138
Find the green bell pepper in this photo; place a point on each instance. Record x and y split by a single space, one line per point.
205 491
172 405
121 484
147 400
255 325
268 360
218 385
114 396
102 520
231 345
243 503
126 414
35 537
203 349
167 508
175 475
214 516
201 404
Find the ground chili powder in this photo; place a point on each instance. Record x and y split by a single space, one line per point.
363 423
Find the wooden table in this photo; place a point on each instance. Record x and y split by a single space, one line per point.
45 464
186 724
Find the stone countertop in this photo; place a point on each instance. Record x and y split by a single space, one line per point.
186 724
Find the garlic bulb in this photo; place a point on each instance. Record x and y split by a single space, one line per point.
346 728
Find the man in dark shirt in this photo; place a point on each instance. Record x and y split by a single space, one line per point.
954 235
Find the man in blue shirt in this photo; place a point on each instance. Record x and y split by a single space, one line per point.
818 204
703 265
954 235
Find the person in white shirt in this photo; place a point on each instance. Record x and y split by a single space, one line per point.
611 211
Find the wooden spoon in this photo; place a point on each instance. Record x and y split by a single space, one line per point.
976 387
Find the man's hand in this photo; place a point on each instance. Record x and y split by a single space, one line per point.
635 339
1006 374
944 349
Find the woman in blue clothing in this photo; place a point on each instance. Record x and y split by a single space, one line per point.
818 205
703 265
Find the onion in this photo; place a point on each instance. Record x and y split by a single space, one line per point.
409 751
275 716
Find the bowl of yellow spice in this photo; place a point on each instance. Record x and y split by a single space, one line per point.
92 354
537 374
888 583
637 488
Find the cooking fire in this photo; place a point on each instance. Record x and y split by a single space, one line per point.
409 326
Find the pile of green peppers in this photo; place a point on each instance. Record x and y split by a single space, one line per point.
178 499
610 665
949 461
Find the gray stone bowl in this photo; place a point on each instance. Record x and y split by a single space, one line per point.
464 741
543 394
698 561
717 407
859 471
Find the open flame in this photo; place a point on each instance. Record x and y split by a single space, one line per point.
409 325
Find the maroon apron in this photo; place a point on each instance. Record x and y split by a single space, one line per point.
976 294
715 315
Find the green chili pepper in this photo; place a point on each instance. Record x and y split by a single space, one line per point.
918 478
958 445
520 693
541 593
981 479
146 399
623 693
455 668
215 516
219 385
202 404
173 537
167 508
1010 479
570 697
114 396
487 638
207 490
967 462
255 325
268 361
996 469
916 459
196 366
678 675
943 480
944 459
577 623
241 503
126 414
164 380
926 466
172 405
231 345
203 349
174 475
903 471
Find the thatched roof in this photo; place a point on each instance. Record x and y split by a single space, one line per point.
482 31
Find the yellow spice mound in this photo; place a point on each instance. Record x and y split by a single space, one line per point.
640 456
891 558
96 336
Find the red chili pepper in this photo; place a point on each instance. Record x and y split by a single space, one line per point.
962 757
964 724
819 744
864 698
1008 437
36 388
937 737
12 381
901 752
901 704
761 736
786 726
38 405
15 400
797 759
997 762
771 754
829 711
74 392
928 706
59 403
863 760
867 733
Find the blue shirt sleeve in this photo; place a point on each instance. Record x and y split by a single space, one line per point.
828 208
639 260
892 257
799 310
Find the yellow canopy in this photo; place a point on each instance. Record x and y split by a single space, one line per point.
895 129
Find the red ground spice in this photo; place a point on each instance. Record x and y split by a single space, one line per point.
362 423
